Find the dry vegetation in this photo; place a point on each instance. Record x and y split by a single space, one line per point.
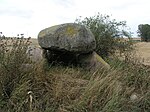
143 50
34 42
43 88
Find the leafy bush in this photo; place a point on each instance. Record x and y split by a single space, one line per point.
108 33
144 32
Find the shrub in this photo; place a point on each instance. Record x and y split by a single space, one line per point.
108 33
144 32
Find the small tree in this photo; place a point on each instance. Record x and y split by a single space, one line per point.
144 32
107 32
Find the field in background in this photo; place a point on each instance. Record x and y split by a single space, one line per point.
143 50
34 42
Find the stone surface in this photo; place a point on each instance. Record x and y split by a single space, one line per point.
93 61
67 37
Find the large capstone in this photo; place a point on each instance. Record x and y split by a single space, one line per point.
70 37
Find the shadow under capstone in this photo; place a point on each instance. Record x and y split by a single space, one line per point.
64 58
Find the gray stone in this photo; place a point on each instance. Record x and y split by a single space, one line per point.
70 37
93 61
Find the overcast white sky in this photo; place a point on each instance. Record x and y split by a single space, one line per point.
31 16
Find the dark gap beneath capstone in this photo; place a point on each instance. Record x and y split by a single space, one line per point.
65 58
55 57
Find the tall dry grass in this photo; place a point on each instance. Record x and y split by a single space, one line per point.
43 88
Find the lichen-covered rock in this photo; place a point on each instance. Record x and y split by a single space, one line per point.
70 37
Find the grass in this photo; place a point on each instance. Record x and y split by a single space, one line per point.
44 88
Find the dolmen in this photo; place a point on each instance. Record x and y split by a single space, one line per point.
70 44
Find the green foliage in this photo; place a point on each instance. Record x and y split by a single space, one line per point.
144 32
107 32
